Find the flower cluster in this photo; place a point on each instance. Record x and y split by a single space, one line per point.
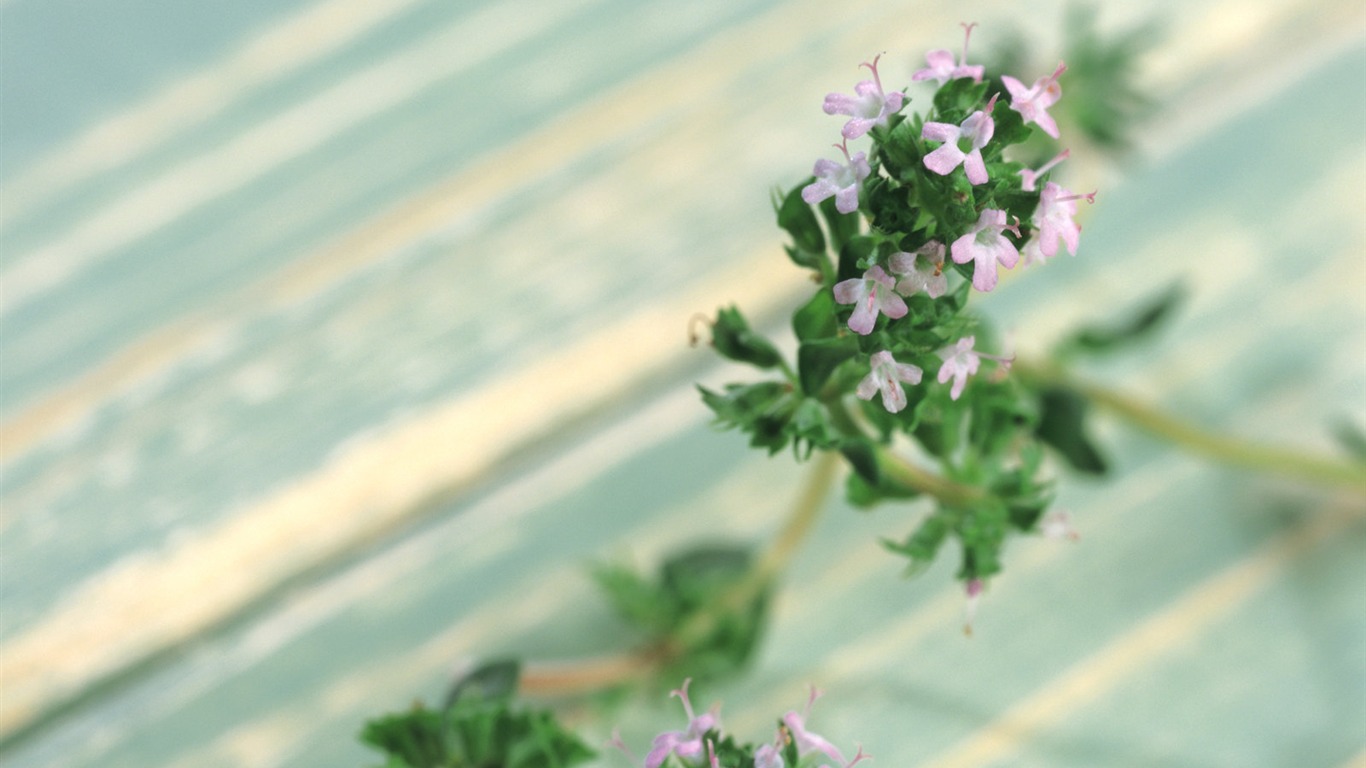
703 744
988 244
900 233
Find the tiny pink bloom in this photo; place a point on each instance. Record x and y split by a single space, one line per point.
768 756
960 362
923 270
1033 103
869 106
1029 179
874 292
974 592
887 376
808 742
842 181
942 67
1053 219
985 245
975 132
1059 526
686 744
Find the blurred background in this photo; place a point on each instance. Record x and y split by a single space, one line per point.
338 336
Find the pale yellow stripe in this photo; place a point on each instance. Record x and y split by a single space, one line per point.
740 505
294 132
693 79
290 44
360 493
687 80
1194 612
1357 762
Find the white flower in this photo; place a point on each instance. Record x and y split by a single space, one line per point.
887 376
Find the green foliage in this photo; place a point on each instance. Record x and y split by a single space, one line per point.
1129 330
983 449
689 585
797 219
1062 425
733 339
480 727
1105 99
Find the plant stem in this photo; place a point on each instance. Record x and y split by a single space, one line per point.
903 471
1222 448
913 476
587 675
774 559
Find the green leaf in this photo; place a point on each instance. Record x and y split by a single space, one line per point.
862 457
1128 330
1010 126
843 226
763 410
816 360
1062 425
693 581
490 680
816 318
1351 438
796 217
733 339
923 544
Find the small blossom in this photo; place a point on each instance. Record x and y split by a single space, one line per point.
974 592
976 131
960 362
1029 179
686 744
1033 103
1053 219
869 106
887 376
923 270
872 293
1059 526
942 68
808 742
842 181
985 245
768 756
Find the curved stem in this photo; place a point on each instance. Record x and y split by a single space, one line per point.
902 470
1223 448
918 478
586 675
774 559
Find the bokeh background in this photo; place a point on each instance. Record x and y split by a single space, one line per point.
337 336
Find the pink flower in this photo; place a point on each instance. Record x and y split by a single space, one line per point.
1059 526
974 592
768 756
872 293
1031 178
842 181
960 362
976 130
941 67
808 742
1053 221
923 270
685 744
1033 103
985 245
887 376
869 106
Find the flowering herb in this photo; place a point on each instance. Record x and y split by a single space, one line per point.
887 346
705 745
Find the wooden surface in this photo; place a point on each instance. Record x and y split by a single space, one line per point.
337 337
